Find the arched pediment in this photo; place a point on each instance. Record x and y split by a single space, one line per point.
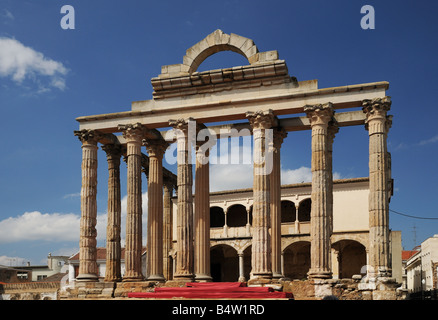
218 41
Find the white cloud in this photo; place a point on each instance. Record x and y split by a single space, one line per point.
302 174
38 226
428 141
72 195
230 176
7 15
290 176
21 62
238 176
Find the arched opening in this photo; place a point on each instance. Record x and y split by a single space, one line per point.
221 60
288 211
237 216
352 257
250 215
304 210
297 260
247 256
217 42
217 217
224 263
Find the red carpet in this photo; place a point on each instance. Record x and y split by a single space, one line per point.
213 290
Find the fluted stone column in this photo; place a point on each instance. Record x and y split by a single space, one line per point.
185 249
275 180
113 247
320 229
87 243
261 123
202 214
168 187
133 134
378 124
156 149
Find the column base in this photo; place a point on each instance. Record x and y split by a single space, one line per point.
156 277
260 279
84 277
319 275
203 278
117 279
132 279
184 277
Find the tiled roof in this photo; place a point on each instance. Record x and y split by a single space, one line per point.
406 254
54 278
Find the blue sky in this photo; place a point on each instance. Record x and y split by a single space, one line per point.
50 76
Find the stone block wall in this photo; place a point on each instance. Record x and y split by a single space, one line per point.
29 291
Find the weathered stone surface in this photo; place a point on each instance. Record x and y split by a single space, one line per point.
223 95
133 134
202 216
261 239
113 258
322 190
185 248
378 124
156 149
87 242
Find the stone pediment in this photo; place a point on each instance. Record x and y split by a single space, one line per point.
265 68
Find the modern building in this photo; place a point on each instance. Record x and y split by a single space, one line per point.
55 264
422 267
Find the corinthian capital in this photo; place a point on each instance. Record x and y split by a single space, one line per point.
113 151
376 107
279 135
261 119
132 132
319 114
88 136
182 124
155 147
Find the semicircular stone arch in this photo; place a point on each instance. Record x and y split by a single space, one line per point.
216 42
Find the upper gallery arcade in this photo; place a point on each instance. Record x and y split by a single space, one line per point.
246 97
